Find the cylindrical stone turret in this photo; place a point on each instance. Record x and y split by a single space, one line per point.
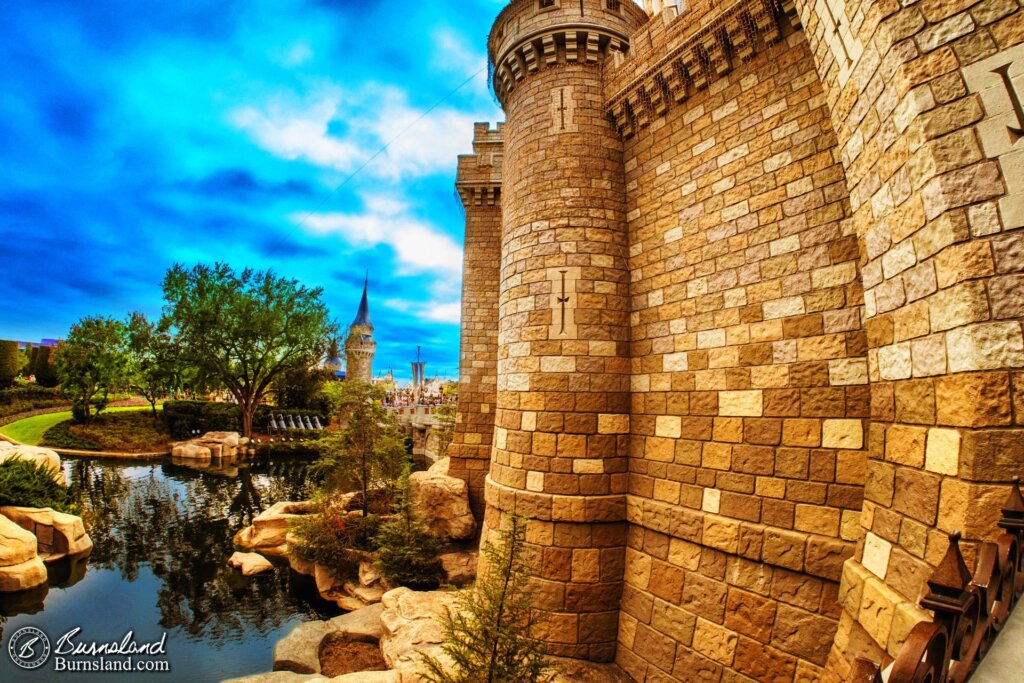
563 401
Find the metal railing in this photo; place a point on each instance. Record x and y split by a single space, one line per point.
970 611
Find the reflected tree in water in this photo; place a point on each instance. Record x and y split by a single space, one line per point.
179 522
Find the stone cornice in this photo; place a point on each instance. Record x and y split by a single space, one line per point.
739 31
581 43
479 195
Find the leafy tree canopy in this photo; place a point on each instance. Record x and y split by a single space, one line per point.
245 329
92 361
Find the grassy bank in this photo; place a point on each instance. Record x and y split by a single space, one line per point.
30 430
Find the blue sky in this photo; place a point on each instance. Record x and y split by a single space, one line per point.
139 133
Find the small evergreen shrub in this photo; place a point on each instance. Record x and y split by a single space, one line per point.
490 635
407 553
31 484
334 537
183 418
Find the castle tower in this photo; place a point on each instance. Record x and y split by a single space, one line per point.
360 346
479 187
563 401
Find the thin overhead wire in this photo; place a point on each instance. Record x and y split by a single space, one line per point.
309 214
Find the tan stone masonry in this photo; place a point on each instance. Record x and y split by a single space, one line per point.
742 322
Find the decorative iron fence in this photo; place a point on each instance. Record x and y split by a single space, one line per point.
970 611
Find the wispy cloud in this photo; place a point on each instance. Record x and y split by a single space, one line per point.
417 245
449 312
302 128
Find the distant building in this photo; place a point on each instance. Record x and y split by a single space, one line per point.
42 342
360 346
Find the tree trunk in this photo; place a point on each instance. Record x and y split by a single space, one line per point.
366 502
247 413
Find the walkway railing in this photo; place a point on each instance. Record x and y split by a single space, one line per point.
969 610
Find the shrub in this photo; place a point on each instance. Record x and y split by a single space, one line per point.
184 417
79 414
10 362
24 397
43 367
60 436
129 431
31 484
490 634
408 554
334 537
309 448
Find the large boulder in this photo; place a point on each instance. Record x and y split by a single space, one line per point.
278 677
20 566
459 567
442 502
58 534
411 621
362 624
299 651
268 533
189 450
250 563
43 456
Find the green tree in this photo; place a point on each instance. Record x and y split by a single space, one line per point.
93 360
444 426
10 363
370 449
489 635
44 368
245 329
406 552
26 360
302 388
152 359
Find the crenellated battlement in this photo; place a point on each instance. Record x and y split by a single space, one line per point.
478 180
529 35
675 55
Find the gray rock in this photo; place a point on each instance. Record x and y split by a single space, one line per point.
362 624
299 651
278 677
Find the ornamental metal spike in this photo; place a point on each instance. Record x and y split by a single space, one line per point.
951 577
1013 509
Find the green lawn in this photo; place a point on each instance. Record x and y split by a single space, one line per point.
30 430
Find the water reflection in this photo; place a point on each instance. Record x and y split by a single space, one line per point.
174 522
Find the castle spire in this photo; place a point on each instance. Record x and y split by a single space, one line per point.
363 316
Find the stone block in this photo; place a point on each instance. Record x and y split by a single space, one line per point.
842 434
942 454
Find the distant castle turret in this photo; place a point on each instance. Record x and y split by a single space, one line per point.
360 346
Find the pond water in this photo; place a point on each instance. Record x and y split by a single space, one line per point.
162 533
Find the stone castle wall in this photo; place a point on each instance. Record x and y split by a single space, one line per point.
749 377
479 186
816 209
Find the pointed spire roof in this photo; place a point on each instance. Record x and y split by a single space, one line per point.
363 316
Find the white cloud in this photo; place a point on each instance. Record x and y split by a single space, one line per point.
418 246
432 311
299 133
420 144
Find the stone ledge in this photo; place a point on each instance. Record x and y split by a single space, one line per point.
555 508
